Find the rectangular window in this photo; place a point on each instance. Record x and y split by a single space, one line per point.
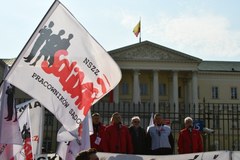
179 92
143 89
162 89
124 88
215 92
234 93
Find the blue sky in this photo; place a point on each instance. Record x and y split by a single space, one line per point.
207 29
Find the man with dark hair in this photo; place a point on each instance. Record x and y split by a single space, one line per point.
90 154
97 138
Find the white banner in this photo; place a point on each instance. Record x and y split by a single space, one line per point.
9 129
236 155
64 68
215 155
30 115
9 151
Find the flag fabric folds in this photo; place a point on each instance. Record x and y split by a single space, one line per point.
64 68
69 149
137 29
30 118
9 128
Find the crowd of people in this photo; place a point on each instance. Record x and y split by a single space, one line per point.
157 139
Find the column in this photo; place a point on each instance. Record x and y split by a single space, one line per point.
195 90
175 90
116 94
155 89
136 87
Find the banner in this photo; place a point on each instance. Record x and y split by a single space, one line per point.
9 129
215 155
64 68
30 119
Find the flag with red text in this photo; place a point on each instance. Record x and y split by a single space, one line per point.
64 68
30 115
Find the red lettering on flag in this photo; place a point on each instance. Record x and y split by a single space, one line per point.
71 79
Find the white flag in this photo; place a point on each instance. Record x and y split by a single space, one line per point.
9 128
10 152
64 68
151 121
30 115
69 149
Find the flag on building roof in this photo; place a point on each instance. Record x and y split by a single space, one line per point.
64 68
137 29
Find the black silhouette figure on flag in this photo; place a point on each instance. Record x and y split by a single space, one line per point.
43 37
10 97
63 45
25 131
50 47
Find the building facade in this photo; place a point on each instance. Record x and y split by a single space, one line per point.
154 73
157 75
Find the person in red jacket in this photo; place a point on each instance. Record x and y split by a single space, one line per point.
97 138
118 138
190 139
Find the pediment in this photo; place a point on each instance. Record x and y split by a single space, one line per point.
147 51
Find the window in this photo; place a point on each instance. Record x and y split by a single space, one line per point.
179 92
214 92
233 93
162 89
124 88
143 89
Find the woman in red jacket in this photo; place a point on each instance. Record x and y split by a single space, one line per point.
118 138
97 138
190 139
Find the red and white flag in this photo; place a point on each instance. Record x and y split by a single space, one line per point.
30 119
64 68
69 149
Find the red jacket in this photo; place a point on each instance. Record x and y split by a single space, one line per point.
118 139
190 142
97 139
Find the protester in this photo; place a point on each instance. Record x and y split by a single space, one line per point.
97 138
190 139
88 155
160 139
118 138
138 135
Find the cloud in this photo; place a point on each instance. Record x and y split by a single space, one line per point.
206 36
203 35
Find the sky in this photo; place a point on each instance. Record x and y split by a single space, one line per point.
206 29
